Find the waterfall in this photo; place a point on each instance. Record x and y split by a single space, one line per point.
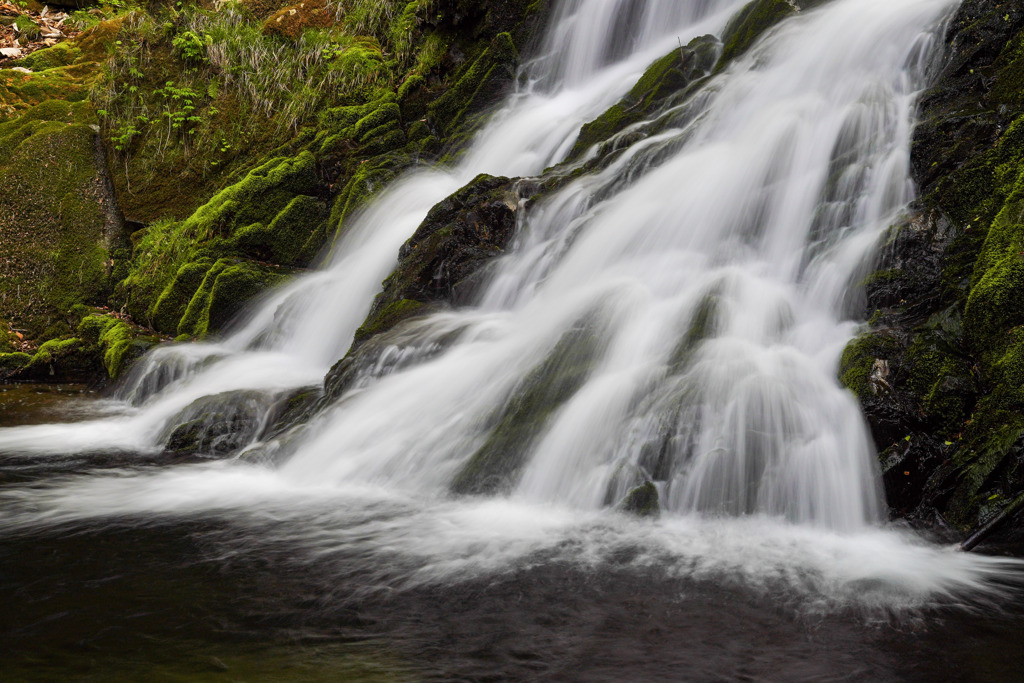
692 313
671 317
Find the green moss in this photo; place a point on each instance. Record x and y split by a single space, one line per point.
749 24
366 181
858 362
548 386
258 197
386 115
234 287
171 305
61 54
294 236
941 380
1008 88
54 182
228 285
996 303
118 341
662 82
391 315
20 91
28 28
61 359
480 85
13 362
222 227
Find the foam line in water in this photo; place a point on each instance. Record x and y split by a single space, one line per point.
413 541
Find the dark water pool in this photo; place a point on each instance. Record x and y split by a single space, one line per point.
204 597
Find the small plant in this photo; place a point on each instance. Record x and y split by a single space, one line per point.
179 108
190 46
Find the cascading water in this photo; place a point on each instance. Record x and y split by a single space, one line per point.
674 316
701 298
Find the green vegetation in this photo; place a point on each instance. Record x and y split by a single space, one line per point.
54 224
958 374
749 24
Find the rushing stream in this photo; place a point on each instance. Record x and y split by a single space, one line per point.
682 309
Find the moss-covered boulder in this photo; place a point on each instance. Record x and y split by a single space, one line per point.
271 214
61 54
119 342
58 217
642 501
665 82
68 359
226 288
217 425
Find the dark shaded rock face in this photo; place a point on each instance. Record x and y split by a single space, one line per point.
442 260
218 425
442 263
940 371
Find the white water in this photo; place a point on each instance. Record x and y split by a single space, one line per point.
739 226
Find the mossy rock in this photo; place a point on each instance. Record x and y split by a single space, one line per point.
21 91
955 356
496 466
120 342
859 365
62 360
226 288
480 85
11 363
61 54
388 317
440 262
58 221
174 300
223 227
218 425
642 501
749 24
663 82
286 240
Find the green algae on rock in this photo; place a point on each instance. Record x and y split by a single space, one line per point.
58 218
946 314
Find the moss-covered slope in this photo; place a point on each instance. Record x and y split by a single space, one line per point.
940 369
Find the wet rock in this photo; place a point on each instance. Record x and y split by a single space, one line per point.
438 264
642 501
218 425
665 82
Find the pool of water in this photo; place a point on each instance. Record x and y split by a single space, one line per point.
193 595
